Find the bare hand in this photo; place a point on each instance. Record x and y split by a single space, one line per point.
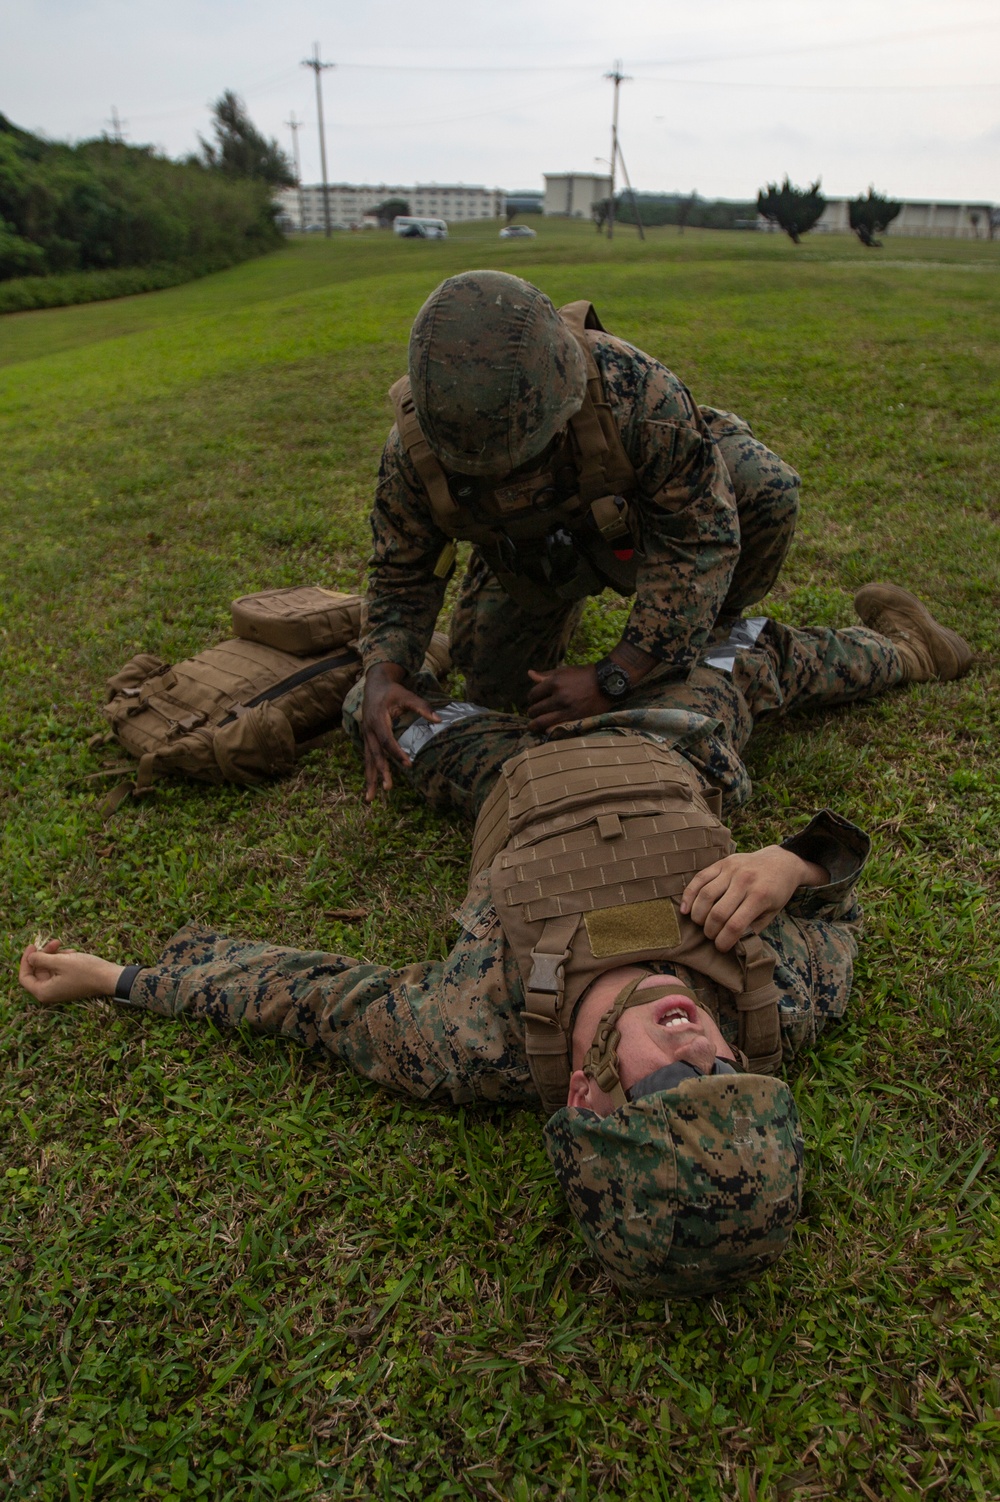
385 701
53 974
742 893
564 694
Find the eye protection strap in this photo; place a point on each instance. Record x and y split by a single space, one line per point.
600 1062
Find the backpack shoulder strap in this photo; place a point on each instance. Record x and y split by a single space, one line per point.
605 469
581 315
757 1008
443 506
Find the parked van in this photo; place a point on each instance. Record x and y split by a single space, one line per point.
412 228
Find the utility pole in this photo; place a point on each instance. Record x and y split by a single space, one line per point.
116 126
631 194
318 67
295 126
617 78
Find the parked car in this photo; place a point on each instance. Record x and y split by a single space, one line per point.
410 227
517 232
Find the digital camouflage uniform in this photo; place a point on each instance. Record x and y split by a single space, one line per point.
451 1029
715 512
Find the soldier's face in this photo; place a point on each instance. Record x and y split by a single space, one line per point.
670 1030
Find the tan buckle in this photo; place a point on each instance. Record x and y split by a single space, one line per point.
547 972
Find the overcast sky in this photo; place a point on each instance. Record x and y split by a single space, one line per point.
725 94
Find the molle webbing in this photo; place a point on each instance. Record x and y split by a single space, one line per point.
492 829
604 471
605 833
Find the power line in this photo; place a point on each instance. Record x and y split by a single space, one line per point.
265 85
411 122
318 68
816 88
883 39
886 38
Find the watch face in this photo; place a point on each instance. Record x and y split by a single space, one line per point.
614 682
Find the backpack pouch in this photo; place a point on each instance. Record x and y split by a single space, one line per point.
134 674
255 746
305 620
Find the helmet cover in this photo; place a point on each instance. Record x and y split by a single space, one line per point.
689 1191
494 371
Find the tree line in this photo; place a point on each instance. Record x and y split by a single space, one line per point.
676 208
103 204
794 210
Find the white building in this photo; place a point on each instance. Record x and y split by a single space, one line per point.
945 219
572 195
349 203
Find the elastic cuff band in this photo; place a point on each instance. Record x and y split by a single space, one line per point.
123 990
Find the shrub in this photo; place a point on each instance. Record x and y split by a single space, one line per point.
103 205
796 210
871 217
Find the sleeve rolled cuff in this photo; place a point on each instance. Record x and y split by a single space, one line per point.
400 648
836 844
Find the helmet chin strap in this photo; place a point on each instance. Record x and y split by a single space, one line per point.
600 1063
671 1075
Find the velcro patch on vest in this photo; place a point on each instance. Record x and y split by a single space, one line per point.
633 926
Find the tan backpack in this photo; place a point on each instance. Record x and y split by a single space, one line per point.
243 711
591 842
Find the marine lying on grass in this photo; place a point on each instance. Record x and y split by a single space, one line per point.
571 461
609 965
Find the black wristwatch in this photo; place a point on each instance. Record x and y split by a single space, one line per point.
613 681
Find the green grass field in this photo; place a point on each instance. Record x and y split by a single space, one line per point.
234 1271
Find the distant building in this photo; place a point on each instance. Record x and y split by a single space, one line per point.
525 201
944 219
572 195
351 204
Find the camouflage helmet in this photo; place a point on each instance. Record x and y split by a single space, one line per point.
688 1191
494 372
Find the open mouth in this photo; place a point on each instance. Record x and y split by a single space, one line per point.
675 1012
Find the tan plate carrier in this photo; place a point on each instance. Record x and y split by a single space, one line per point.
590 844
509 512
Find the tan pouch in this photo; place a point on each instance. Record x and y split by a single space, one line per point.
137 671
304 620
255 746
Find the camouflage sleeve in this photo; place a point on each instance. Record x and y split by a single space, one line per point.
404 597
843 849
688 523
815 938
446 1030
813 972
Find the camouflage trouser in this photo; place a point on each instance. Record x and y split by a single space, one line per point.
784 670
494 641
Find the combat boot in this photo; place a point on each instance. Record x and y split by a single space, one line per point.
927 649
438 657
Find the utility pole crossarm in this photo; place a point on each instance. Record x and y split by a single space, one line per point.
318 68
